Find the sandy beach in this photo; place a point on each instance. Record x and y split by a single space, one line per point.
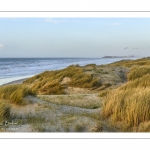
15 82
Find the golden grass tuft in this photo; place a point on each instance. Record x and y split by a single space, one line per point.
130 106
142 82
104 93
4 111
138 72
49 82
52 88
15 93
143 127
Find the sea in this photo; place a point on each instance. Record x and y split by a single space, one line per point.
12 69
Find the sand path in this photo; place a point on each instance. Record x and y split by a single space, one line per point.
45 116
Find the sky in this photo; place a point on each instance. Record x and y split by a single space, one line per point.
74 37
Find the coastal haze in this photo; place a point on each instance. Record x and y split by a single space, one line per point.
74 37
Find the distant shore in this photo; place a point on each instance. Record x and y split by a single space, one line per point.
132 56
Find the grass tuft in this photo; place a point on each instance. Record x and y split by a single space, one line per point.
4 111
130 106
49 82
15 93
138 72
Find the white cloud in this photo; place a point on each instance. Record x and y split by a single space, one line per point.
1 45
51 20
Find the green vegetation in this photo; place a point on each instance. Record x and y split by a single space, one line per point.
82 101
15 93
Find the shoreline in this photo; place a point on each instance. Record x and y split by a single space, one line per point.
20 81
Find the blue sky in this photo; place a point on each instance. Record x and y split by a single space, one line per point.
74 37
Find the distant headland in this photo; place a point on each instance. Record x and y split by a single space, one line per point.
129 56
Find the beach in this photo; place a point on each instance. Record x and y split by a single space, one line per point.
15 82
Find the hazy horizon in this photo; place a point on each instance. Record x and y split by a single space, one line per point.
74 37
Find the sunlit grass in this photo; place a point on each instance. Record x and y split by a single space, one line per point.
15 93
4 111
131 63
129 106
137 72
49 82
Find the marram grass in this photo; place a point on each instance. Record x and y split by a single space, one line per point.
49 82
104 93
129 106
131 63
142 82
138 72
15 93
4 111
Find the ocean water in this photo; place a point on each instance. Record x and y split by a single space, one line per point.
12 69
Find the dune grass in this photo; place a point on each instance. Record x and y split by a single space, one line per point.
137 72
104 93
4 111
128 107
131 63
15 93
131 107
143 127
142 82
49 82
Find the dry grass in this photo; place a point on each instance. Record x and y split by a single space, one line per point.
4 111
127 108
49 82
104 93
15 93
138 72
143 127
142 82
130 106
131 63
